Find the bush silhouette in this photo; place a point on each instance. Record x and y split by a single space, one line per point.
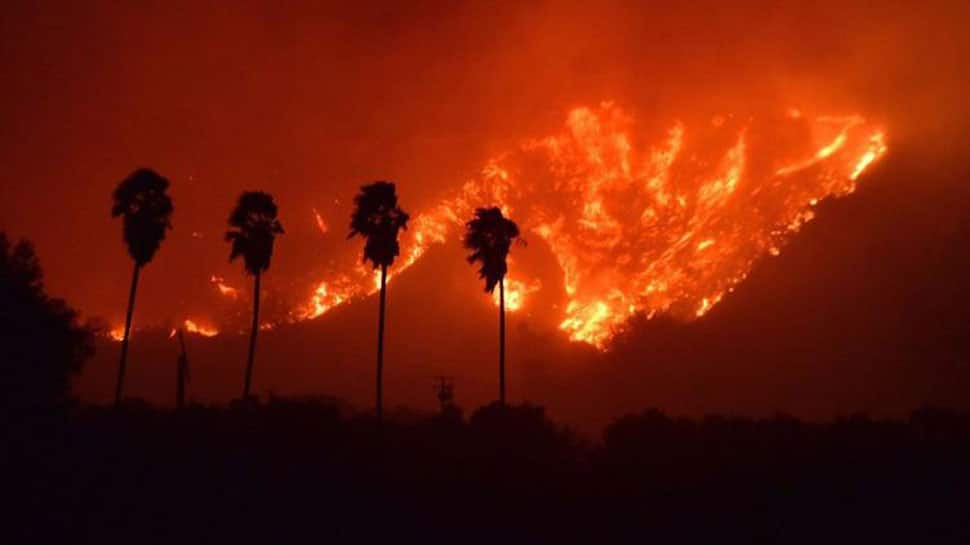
43 346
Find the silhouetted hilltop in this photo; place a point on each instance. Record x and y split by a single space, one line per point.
864 308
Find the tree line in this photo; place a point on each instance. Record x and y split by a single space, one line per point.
142 202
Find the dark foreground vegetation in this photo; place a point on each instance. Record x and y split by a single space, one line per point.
296 469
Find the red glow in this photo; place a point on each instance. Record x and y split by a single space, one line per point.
668 225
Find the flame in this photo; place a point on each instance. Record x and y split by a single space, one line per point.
645 220
702 221
876 149
515 292
321 225
328 295
224 289
707 303
194 327
424 231
118 333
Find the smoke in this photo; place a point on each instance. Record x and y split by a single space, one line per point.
309 101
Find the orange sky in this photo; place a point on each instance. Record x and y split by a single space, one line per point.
308 102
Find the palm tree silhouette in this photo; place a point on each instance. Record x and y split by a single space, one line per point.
145 207
378 219
255 228
490 235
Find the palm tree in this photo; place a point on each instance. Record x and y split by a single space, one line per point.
489 236
378 219
145 207
255 228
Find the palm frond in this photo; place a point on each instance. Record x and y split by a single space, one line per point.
490 235
256 227
378 219
142 201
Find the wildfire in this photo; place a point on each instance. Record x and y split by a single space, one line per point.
321 225
703 220
424 230
876 149
642 220
194 327
116 334
515 292
328 295
224 289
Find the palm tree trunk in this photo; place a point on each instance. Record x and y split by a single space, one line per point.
252 340
501 341
380 347
123 364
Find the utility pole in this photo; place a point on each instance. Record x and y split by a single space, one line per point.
181 372
445 390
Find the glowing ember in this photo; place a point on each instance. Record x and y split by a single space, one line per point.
224 288
647 221
321 225
116 334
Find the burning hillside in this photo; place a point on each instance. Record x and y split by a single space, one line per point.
654 220
641 222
